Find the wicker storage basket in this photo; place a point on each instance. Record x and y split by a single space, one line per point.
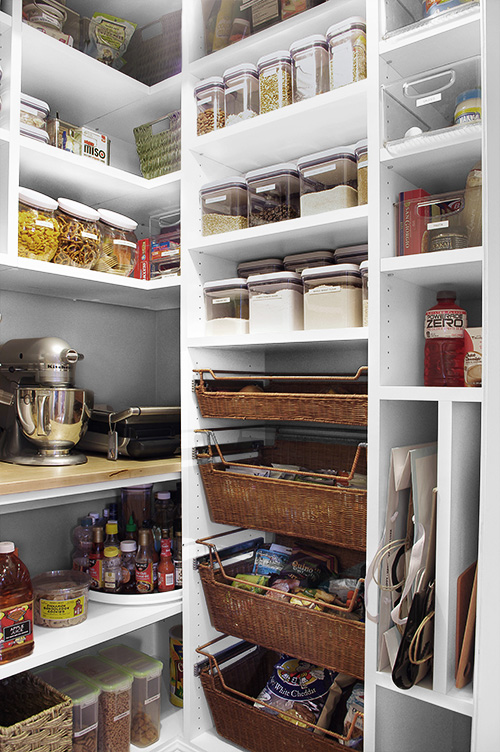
334 515
324 399
154 52
34 716
158 145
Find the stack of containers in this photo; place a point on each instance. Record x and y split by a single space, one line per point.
33 118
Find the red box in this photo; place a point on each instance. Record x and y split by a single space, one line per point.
142 264
412 222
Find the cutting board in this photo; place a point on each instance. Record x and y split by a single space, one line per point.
466 622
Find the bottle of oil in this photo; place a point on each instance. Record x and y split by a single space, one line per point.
16 606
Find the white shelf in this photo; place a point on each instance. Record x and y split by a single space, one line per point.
351 337
458 701
430 394
5 22
4 135
462 267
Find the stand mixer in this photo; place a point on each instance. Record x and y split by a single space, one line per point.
42 415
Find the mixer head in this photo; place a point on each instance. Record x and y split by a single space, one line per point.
48 361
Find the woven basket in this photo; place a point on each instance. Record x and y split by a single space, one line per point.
334 515
158 145
34 716
325 399
154 52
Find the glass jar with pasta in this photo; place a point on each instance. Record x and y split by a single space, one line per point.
38 228
118 243
80 237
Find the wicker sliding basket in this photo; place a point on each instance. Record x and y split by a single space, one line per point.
326 638
334 515
34 716
158 145
325 399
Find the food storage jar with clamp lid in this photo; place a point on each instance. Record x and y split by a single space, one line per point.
80 237
260 266
241 93
332 297
361 152
310 69
275 302
33 111
38 228
297 262
118 243
347 46
224 205
275 81
273 194
226 306
328 180
209 96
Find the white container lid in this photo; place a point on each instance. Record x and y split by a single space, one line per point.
326 155
351 250
348 23
242 68
265 172
7 547
32 132
235 181
81 211
225 283
255 279
36 104
37 200
363 267
329 271
117 220
273 57
207 83
311 41
128 546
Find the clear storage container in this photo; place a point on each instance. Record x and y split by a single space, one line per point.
347 46
224 205
276 302
241 93
363 268
60 598
275 81
226 306
328 180
468 107
273 194
297 262
352 254
146 691
80 237
209 96
361 152
44 16
332 297
118 243
259 266
65 135
38 228
31 131
310 67
420 14
34 111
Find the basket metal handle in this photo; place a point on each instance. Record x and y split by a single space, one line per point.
237 376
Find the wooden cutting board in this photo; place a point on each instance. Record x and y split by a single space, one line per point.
466 622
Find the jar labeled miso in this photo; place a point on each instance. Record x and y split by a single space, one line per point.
241 93
332 297
80 237
275 81
118 243
347 45
310 71
226 306
328 180
224 205
273 194
38 228
209 95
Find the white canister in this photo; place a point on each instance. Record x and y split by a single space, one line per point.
275 302
332 297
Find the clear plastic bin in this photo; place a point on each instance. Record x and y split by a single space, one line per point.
361 151
226 306
363 268
224 205
65 135
34 111
332 297
275 81
273 194
209 95
412 14
241 93
310 67
352 254
328 180
259 266
297 262
276 302
347 45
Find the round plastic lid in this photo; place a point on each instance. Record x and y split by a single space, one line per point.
117 220
81 211
112 526
327 271
289 167
470 94
311 41
37 200
128 546
273 57
7 547
221 283
111 551
86 522
207 83
348 23
236 70
61 581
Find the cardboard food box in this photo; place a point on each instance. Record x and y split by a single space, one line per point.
473 356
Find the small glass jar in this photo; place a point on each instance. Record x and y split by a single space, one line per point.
363 268
259 266
34 112
209 95
297 262
224 205
44 16
118 243
310 67
80 238
226 306
361 152
332 297
241 93
468 107
275 81
112 569
38 228
275 302
347 46
273 194
328 180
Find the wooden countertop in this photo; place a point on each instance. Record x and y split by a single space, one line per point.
20 478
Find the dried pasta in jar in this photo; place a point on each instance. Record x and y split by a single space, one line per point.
118 243
80 237
38 228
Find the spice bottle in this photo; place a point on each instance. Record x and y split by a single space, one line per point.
16 606
111 538
166 570
96 558
275 81
111 569
144 564
128 550
154 542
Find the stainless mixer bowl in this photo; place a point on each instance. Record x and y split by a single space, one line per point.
54 419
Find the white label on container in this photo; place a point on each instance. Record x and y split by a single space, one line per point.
85 730
270 187
324 288
205 101
128 243
90 235
44 223
428 100
341 64
239 87
215 301
319 170
438 225
215 199
267 296
122 715
151 699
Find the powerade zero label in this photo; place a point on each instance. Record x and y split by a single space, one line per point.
16 625
443 324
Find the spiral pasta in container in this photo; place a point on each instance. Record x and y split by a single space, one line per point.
80 237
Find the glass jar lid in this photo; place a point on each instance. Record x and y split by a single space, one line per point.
354 22
243 69
285 168
328 155
37 200
36 104
219 284
117 220
214 82
315 40
235 181
81 211
331 271
280 56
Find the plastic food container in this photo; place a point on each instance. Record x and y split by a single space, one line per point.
65 135
80 238
260 266
297 262
209 95
115 701
328 180
38 229
363 268
273 194
347 46
30 131
226 306
118 243
275 80
310 67
433 7
352 254
276 303
332 297
468 107
146 691
224 205
85 701
361 152
33 111
241 93
44 16
60 598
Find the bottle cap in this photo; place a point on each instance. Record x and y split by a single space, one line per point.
97 534
128 546
87 522
7 547
131 527
443 294
111 551
111 527
163 495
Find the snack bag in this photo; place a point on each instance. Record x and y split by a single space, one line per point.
109 37
309 566
268 561
355 704
251 582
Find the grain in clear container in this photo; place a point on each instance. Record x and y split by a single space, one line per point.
275 81
332 297
80 237
38 228
310 67
224 205
328 180
347 46
363 268
118 243
275 302
209 96
241 93
361 151
273 194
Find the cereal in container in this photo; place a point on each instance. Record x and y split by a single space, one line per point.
38 228
347 45
118 243
275 80
209 96
273 194
80 237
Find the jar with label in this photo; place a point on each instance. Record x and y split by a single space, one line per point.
80 238
361 152
273 194
332 297
275 302
224 205
209 96
241 93
33 111
118 243
310 67
297 262
328 180
347 46
44 16
468 107
259 266
38 228
112 569
275 81
226 306
363 268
